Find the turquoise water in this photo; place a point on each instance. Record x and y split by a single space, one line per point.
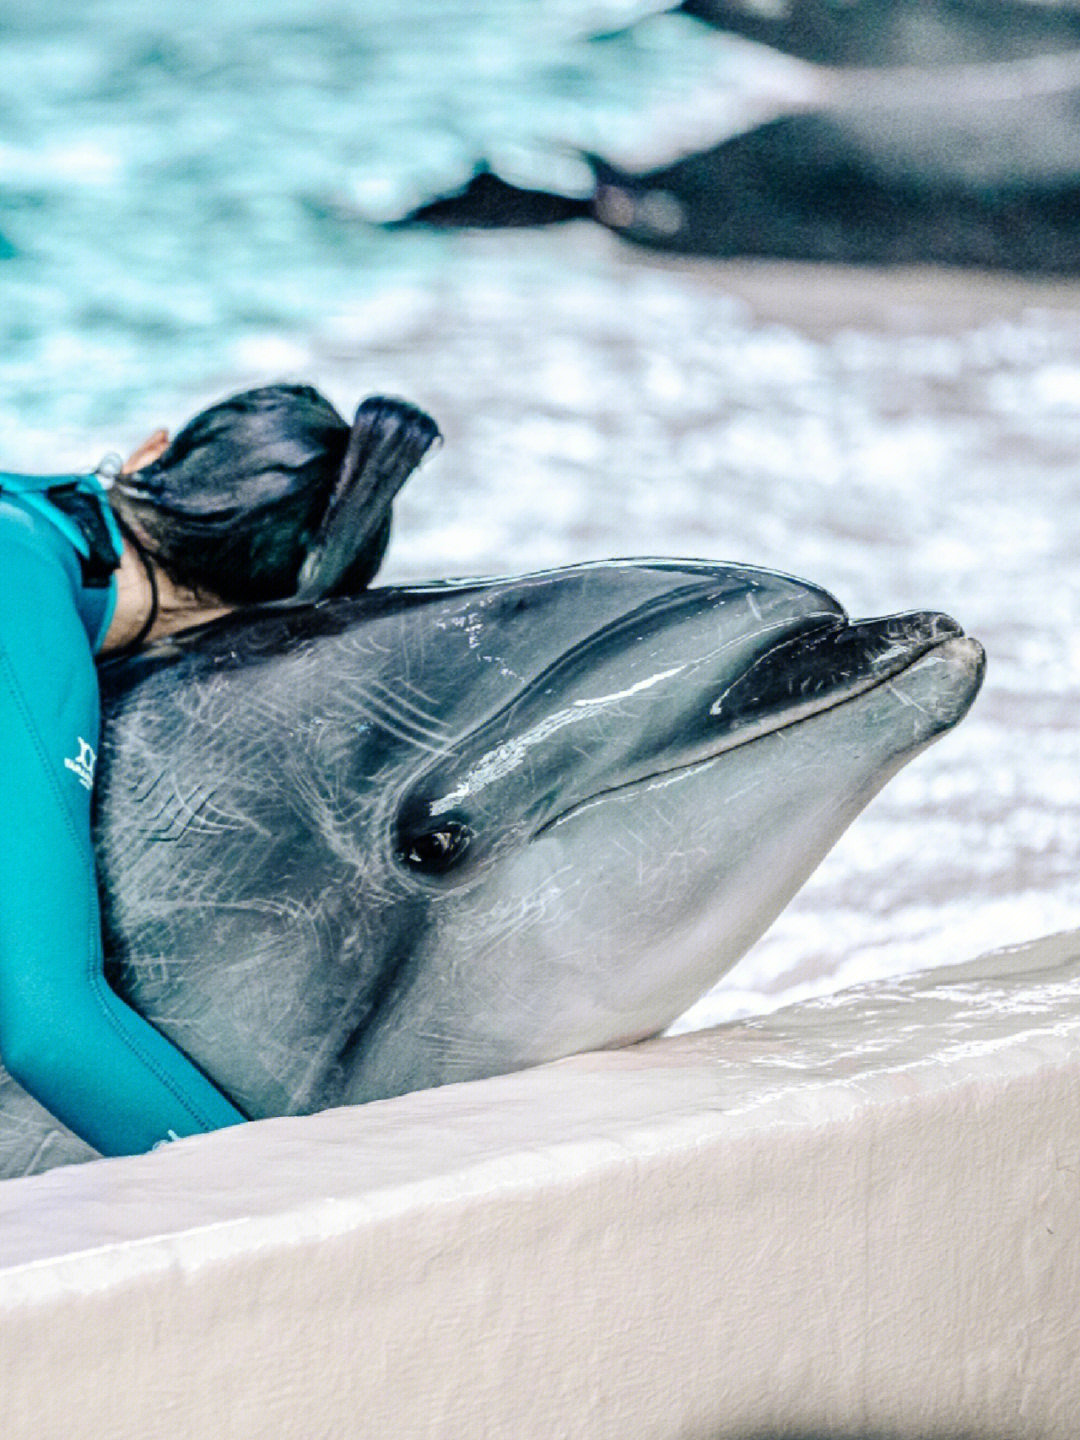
186 207
169 197
176 190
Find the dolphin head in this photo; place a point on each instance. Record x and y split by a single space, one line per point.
435 833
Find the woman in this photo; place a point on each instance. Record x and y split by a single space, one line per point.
268 496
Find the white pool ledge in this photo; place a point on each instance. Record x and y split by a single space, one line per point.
855 1214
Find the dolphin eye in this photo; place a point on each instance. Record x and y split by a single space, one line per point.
437 850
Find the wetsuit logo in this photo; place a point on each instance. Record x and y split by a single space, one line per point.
82 765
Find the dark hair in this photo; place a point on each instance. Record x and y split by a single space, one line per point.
270 495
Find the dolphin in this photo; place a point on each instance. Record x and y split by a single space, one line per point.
433 833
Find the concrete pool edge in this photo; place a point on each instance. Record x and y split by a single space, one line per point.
856 1212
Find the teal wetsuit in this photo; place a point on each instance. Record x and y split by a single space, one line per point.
64 1034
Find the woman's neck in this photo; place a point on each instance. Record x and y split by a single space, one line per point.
177 608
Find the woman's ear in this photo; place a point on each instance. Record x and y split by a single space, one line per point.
150 450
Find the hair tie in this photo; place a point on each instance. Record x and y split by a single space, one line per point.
108 469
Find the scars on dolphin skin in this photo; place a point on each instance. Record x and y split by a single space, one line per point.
433 833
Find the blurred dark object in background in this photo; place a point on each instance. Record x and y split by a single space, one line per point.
938 132
898 32
796 190
489 203
962 180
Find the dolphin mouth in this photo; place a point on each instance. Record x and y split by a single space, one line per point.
821 668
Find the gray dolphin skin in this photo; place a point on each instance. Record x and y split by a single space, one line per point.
435 833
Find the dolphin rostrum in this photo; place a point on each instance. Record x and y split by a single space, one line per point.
434 833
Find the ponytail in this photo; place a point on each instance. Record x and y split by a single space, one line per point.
269 495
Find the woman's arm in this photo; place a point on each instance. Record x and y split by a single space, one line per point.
64 1034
